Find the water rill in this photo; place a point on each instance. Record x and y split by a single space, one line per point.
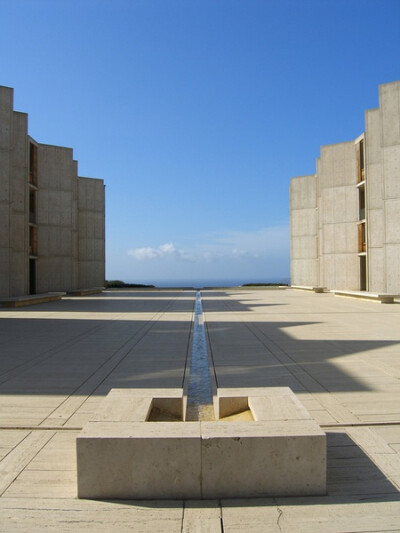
200 397
253 442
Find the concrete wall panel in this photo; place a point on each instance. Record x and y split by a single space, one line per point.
391 174
304 227
6 110
373 136
392 268
304 247
91 232
389 103
306 272
304 222
4 271
376 229
303 192
18 174
376 270
375 186
392 221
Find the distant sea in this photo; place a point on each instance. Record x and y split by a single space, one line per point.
201 283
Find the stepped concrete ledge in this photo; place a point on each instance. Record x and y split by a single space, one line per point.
86 292
383 298
125 453
31 299
307 288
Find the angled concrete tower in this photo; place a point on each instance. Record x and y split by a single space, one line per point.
51 220
345 219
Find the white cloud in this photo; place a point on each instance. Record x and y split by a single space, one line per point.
163 251
143 253
167 248
261 254
222 246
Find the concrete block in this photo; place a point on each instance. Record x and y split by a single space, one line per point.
120 454
139 460
383 298
227 406
277 407
126 405
256 459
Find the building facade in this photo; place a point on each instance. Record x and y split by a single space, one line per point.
52 235
345 219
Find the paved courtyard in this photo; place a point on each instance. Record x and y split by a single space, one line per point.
340 356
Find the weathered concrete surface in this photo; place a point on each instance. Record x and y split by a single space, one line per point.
52 235
122 454
345 219
340 356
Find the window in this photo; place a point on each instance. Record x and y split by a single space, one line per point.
32 240
32 206
360 162
362 241
361 203
33 164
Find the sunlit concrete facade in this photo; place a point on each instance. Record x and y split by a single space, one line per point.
345 219
51 220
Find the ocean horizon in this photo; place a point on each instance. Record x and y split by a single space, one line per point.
206 282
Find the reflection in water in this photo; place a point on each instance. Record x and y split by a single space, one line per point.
199 404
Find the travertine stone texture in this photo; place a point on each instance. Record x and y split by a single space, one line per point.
282 452
139 460
254 459
59 360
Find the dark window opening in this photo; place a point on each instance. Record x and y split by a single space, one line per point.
32 276
32 240
363 273
361 203
362 241
33 164
32 207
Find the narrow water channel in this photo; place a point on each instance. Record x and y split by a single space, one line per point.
200 399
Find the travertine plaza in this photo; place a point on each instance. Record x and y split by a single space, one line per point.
345 219
339 356
51 220
304 388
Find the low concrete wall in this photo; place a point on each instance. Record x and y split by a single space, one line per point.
122 455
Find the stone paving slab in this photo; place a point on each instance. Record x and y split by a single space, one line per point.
59 360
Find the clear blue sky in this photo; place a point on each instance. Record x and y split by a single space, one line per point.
197 114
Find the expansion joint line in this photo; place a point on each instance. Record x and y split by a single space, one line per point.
280 513
119 355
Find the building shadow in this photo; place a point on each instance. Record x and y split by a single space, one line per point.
352 477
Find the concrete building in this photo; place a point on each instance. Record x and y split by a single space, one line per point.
51 220
345 219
